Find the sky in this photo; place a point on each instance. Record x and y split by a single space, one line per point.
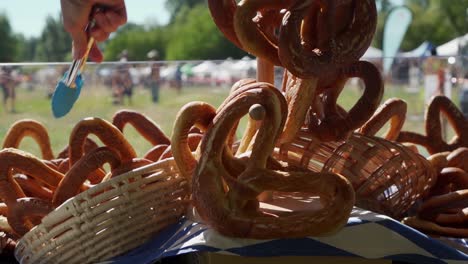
28 16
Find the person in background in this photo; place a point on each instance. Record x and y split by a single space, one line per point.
178 78
122 83
154 81
8 83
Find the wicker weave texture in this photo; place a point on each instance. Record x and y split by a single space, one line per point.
388 178
110 218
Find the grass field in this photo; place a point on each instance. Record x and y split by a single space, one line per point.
95 101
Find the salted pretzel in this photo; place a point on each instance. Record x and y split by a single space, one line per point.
34 129
143 124
197 114
433 140
340 48
334 126
393 110
236 212
109 134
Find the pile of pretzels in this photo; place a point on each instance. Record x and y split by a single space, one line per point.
32 186
319 44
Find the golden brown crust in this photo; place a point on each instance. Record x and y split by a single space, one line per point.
34 129
143 124
236 213
433 140
393 110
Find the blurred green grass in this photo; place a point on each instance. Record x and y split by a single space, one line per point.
96 101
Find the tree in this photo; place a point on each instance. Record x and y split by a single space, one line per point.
175 6
457 13
138 41
194 36
429 24
54 43
8 43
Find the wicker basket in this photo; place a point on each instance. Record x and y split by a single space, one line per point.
388 178
110 218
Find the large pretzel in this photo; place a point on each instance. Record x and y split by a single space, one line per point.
443 215
251 36
33 129
299 94
89 144
458 158
340 49
110 135
222 12
235 213
393 109
449 180
144 125
10 191
334 126
79 172
433 140
197 114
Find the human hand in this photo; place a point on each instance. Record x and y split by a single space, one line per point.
76 16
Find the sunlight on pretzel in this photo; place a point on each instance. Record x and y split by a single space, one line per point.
236 213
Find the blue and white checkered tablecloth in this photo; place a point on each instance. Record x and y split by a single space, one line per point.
367 235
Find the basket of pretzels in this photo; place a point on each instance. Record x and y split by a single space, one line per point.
69 208
298 146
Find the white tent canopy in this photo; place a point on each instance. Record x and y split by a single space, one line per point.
451 48
372 53
205 67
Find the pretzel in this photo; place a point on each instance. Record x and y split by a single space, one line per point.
79 172
334 126
25 208
340 49
156 152
393 109
145 126
299 94
236 212
7 244
433 228
110 135
32 188
89 144
222 13
34 129
433 141
197 114
11 158
253 40
439 161
450 179
458 159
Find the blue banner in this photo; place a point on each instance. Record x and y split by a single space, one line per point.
395 27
